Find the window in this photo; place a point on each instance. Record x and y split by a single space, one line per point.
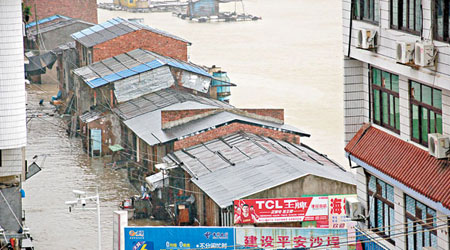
84 50
367 10
442 20
419 218
381 206
426 112
386 109
406 15
89 57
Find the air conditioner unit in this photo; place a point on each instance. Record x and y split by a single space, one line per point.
424 54
353 209
367 39
438 145
405 52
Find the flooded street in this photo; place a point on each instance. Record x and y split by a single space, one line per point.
289 59
65 167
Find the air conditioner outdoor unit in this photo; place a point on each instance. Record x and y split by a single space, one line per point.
367 39
353 209
405 52
424 54
438 145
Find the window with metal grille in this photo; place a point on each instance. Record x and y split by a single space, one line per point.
366 10
406 15
420 223
441 20
381 207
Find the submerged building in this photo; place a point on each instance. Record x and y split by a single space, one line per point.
397 119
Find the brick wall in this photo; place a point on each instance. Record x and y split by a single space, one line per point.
169 117
274 113
143 39
81 9
232 128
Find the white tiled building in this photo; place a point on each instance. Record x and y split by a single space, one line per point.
400 104
13 129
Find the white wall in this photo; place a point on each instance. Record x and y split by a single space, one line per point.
12 162
438 76
356 106
13 131
356 87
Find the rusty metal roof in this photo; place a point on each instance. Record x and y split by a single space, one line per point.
113 28
240 164
404 162
162 99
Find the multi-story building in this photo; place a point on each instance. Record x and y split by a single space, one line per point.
397 93
13 131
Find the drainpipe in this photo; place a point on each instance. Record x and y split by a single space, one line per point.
350 29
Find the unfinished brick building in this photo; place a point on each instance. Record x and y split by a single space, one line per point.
117 36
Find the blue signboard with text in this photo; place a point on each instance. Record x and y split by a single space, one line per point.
178 238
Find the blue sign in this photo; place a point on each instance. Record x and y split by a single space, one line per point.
178 238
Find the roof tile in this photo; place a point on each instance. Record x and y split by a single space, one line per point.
404 162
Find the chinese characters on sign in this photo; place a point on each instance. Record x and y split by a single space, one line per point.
282 238
178 238
280 210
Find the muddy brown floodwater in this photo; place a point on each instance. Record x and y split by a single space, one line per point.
65 167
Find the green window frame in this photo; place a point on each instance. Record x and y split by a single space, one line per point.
380 199
425 111
442 20
419 217
386 101
366 10
406 15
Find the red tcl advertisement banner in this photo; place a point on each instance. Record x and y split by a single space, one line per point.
280 210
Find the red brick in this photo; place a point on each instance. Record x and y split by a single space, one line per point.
143 39
274 113
80 9
168 116
232 128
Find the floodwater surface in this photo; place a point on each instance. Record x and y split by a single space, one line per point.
290 59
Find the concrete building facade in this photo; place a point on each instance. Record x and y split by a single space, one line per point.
390 92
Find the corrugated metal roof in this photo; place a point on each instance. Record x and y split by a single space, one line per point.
113 28
130 64
56 24
46 20
159 100
91 116
238 165
404 162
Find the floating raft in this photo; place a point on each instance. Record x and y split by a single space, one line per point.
156 7
222 17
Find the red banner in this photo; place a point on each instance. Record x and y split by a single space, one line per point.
280 210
